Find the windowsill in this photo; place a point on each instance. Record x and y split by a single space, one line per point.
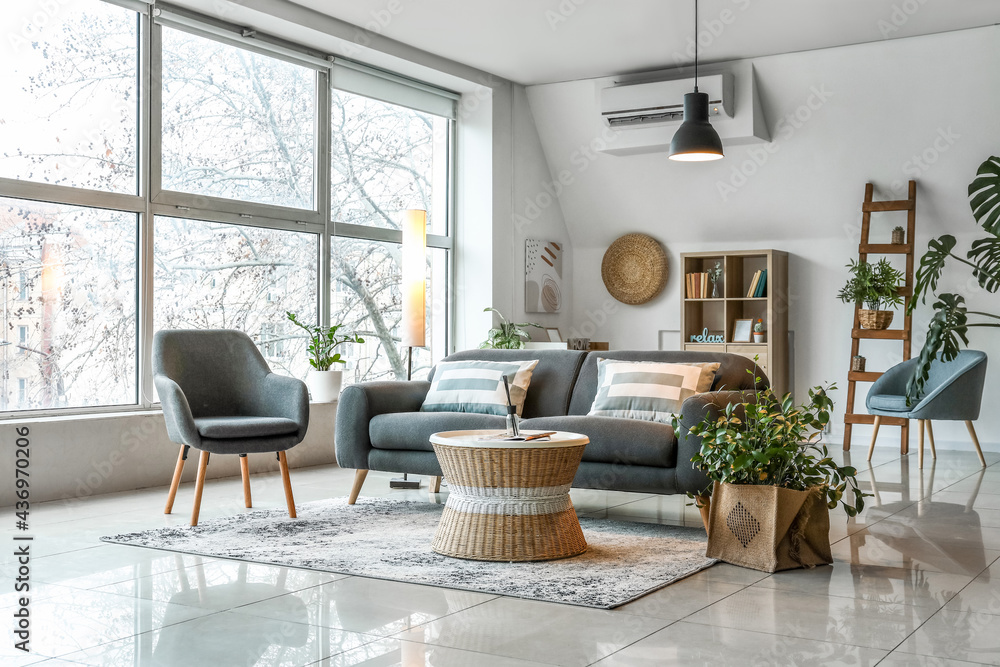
110 414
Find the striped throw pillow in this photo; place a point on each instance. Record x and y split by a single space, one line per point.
648 390
477 386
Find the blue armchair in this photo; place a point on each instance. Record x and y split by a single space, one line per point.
953 392
219 396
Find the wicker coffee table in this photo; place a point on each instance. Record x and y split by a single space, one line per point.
508 501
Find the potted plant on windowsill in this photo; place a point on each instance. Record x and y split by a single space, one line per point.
773 484
323 383
508 336
876 286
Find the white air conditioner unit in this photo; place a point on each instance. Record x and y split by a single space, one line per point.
643 104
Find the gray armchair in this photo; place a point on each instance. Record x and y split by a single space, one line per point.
953 392
220 397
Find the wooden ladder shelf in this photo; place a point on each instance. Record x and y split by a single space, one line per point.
905 334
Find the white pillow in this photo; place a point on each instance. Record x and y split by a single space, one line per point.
477 386
648 390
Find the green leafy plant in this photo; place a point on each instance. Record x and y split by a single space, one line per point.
771 442
323 340
508 336
874 285
949 326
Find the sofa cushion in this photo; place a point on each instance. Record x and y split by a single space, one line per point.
551 382
888 403
222 428
732 373
477 386
412 430
616 440
648 390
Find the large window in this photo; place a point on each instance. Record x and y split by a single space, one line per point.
172 172
236 124
69 95
72 341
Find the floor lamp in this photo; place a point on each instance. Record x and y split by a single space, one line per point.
413 289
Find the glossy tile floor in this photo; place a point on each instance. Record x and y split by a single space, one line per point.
916 582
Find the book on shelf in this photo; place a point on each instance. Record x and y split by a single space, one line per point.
761 285
753 284
696 285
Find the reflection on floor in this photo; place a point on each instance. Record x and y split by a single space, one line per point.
914 583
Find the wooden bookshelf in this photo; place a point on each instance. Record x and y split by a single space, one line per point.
719 314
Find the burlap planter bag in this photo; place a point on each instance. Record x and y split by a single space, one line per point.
767 528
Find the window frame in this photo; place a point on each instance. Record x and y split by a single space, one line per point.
151 200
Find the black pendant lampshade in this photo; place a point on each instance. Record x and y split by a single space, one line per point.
695 140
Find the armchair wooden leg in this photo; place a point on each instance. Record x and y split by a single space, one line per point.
930 438
283 464
199 487
359 479
975 441
920 442
176 481
704 505
871 447
434 486
245 471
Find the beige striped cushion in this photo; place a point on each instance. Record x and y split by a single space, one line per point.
648 390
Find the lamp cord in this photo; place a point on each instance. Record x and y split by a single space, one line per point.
696 46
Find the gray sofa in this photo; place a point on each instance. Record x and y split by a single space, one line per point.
380 426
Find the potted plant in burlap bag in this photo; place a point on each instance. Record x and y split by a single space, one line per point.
773 484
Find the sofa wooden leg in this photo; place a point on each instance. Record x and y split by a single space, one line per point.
871 447
199 486
975 441
434 486
283 464
359 479
176 481
245 471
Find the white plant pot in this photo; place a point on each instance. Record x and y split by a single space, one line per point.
758 337
324 386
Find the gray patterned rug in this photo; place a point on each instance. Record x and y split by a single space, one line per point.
624 560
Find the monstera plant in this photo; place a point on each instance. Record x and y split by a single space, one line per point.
949 327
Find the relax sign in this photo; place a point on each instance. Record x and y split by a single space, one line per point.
705 337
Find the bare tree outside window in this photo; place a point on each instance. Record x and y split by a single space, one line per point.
234 124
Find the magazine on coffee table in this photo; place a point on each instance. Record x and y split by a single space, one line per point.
503 437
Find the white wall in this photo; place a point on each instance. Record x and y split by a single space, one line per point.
886 112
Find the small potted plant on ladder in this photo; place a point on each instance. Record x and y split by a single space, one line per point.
324 383
875 287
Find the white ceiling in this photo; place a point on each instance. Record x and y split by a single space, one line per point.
542 41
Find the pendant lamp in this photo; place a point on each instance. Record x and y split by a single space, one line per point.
695 140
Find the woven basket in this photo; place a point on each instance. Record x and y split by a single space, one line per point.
509 504
875 319
634 268
767 528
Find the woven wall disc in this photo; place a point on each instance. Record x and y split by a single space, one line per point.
634 268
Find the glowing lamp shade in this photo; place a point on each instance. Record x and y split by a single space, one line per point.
413 288
695 140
